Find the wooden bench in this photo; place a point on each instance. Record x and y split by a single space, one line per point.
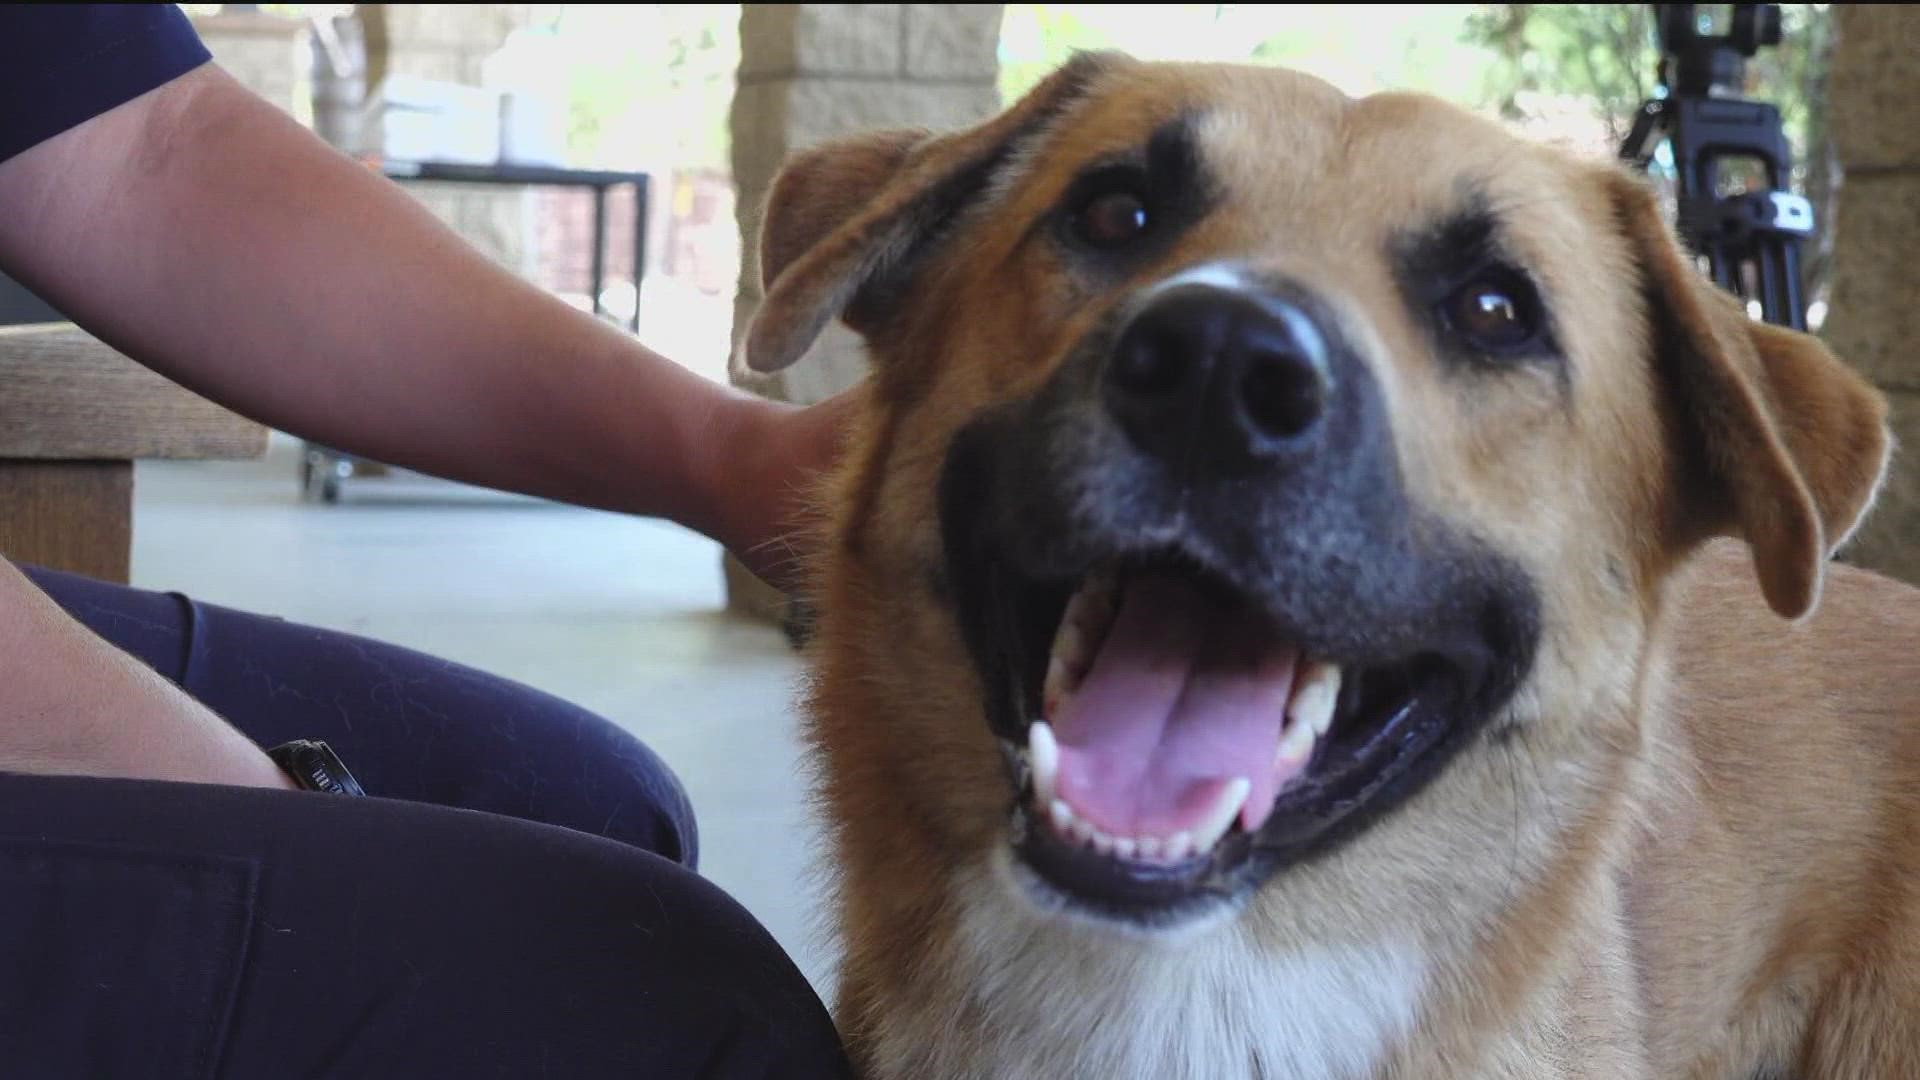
75 415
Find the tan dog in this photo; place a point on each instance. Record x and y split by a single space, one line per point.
1274 623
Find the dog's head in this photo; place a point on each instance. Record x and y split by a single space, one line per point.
1249 469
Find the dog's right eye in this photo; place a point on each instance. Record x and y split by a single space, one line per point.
1497 312
1111 213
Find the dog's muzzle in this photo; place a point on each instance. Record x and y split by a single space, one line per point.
1214 631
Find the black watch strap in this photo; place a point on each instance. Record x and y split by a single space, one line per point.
315 767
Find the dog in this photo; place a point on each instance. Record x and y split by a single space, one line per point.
1323 588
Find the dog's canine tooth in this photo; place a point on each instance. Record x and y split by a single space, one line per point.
1089 612
1054 690
1102 583
1296 745
1070 648
1096 592
1091 608
1043 761
1315 691
1226 807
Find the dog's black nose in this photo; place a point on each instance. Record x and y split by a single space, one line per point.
1237 377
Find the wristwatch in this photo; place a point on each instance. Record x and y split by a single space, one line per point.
315 767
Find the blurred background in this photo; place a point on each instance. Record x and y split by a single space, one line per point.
651 88
543 122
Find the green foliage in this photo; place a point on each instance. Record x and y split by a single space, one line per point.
649 83
1608 54
1601 52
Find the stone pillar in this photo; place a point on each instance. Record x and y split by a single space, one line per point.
1873 321
265 53
448 43
813 72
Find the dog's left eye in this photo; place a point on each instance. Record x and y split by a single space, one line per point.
1496 312
1112 215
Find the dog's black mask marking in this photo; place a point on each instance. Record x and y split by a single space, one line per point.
1435 628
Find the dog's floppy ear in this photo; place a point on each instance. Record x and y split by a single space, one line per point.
1790 445
844 220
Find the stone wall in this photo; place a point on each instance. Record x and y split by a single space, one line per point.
449 42
1874 317
812 72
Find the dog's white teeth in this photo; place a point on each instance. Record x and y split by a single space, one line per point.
1296 746
1154 849
1062 817
1081 831
1226 807
1070 646
1082 627
1157 849
1315 691
1043 759
1066 666
1054 691
1309 715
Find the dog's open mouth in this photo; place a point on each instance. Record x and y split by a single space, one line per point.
1172 743
1197 679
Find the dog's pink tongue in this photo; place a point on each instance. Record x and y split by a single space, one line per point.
1185 694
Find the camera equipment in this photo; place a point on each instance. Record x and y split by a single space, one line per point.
1751 239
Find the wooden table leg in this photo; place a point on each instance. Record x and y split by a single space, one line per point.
68 515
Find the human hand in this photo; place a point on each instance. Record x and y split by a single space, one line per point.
768 460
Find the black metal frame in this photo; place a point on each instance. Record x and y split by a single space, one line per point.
1757 232
599 181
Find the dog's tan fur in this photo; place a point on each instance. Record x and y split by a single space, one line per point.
1692 853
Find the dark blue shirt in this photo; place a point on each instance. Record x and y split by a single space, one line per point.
63 64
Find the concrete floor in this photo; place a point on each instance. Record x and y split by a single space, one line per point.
623 616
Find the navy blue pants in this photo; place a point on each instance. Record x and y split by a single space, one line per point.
516 899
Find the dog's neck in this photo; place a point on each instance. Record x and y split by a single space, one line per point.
1061 1000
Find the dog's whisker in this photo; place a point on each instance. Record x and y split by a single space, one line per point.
1515 878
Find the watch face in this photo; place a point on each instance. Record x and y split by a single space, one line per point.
315 767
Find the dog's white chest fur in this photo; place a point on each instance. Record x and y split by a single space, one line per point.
1052 1000
1334 1011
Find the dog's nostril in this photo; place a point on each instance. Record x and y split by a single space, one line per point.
1282 392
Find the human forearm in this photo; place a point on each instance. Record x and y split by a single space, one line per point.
207 235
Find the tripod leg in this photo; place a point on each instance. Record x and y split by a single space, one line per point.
1774 306
1726 272
1793 303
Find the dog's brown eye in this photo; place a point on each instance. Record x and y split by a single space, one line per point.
1111 220
1494 313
